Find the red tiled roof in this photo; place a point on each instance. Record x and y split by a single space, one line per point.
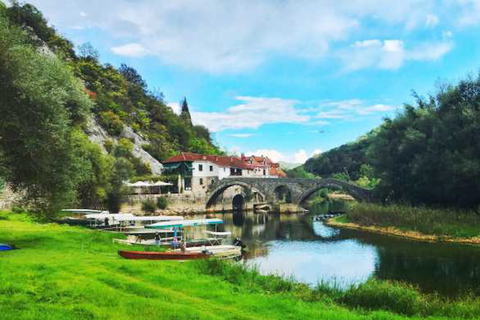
224 161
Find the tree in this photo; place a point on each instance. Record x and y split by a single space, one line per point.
185 115
132 76
39 104
87 51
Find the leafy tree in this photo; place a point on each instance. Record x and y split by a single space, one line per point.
40 101
347 159
429 154
162 203
132 76
87 51
299 172
185 115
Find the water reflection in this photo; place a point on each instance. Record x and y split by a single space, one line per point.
295 245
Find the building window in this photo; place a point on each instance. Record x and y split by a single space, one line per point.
200 167
188 183
211 168
201 181
264 172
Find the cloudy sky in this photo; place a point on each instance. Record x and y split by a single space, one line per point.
285 78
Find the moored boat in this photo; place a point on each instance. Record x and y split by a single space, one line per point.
167 255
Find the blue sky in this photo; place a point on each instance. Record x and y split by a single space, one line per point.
284 78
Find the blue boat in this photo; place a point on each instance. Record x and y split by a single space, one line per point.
5 247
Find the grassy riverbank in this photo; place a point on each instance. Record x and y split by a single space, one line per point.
414 222
64 272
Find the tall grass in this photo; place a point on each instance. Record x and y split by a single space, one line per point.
440 222
397 297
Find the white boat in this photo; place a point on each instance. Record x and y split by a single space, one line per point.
220 251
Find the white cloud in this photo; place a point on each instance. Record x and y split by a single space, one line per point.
221 36
431 20
299 156
391 54
252 113
348 109
469 12
241 135
133 50
175 106
430 51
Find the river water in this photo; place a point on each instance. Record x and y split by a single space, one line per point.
295 245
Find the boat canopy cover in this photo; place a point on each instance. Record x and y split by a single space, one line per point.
150 218
184 223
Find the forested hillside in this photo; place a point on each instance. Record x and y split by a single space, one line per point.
50 90
347 162
428 154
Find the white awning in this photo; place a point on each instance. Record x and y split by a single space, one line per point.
162 184
148 184
213 233
138 184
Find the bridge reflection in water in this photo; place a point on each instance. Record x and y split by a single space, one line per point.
312 252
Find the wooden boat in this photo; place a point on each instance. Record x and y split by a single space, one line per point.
167 255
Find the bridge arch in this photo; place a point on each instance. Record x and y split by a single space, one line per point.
215 193
283 193
358 193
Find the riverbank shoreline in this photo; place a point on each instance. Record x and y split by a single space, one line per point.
45 268
395 232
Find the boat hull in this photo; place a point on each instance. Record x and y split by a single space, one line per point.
169 255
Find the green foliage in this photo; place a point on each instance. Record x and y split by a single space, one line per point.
440 222
346 159
2 185
429 153
149 206
111 122
44 104
162 203
41 101
185 115
299 172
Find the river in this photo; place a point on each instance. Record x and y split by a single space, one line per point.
294 245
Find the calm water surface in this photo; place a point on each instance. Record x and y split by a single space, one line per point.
294 245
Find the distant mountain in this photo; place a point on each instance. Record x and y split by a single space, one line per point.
288 166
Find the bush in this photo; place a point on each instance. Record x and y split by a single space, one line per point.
400 298
111 122
162 203
18 209
149 206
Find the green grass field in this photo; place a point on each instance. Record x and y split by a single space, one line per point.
64 272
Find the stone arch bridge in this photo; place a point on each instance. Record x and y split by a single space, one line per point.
299 190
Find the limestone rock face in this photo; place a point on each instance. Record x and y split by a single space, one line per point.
98 135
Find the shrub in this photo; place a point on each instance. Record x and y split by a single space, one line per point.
18 209
396 297
162 203
111 122
149 206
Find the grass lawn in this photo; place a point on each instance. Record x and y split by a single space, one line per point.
64 272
